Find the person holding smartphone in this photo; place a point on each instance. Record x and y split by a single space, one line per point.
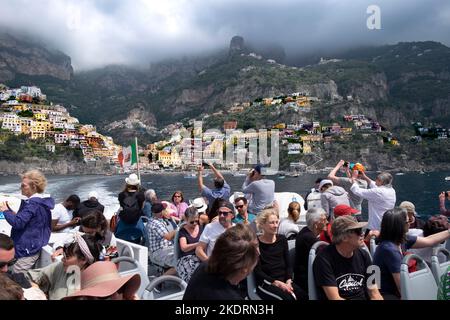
260 191
221 187
442 207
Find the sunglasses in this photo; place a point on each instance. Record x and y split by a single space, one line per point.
239 207
194 222
358 232
8 263
224 213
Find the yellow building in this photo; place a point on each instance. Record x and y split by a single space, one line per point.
303 102
165 158
40 107
20 107
39 129
11 122
346 130
40 116
86 129
305 137
306 147
26 124
214 151
280 126
175 158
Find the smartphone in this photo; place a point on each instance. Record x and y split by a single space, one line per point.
205 164
345 164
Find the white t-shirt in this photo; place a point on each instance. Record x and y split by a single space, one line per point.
210 234
63 216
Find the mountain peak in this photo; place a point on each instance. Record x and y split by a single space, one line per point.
236 45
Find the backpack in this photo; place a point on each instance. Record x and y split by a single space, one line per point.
131 211
314 199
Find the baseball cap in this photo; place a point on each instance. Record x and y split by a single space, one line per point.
345 223
324 182
344 210
226 204
157 207
409 206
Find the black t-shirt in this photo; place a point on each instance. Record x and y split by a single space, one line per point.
189 239
273 261
303 243
86 207
210 286
349 275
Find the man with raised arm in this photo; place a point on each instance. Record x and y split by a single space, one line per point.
221 187
260 190
346 183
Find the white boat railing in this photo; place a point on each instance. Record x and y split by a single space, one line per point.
135 251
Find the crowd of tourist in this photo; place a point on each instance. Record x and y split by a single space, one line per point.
219 239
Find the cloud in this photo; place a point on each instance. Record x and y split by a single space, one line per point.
100 32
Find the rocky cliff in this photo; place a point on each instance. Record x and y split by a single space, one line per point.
27 58
54 167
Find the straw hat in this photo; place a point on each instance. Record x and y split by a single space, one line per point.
101 279
199 204
132 180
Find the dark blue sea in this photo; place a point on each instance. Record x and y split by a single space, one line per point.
421 189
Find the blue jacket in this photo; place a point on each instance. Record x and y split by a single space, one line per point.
31 225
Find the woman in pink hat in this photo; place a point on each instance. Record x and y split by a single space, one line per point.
102 281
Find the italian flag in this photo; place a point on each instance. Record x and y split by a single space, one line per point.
128 156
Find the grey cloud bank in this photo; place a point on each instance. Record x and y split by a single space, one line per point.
137 32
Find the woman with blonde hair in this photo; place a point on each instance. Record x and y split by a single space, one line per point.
32 223
274 271
289 227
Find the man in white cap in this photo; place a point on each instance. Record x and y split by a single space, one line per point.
88 205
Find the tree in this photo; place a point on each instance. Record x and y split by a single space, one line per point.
26 114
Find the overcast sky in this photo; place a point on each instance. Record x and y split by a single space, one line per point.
99 32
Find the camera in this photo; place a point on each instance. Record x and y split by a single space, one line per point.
204 164
345 164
